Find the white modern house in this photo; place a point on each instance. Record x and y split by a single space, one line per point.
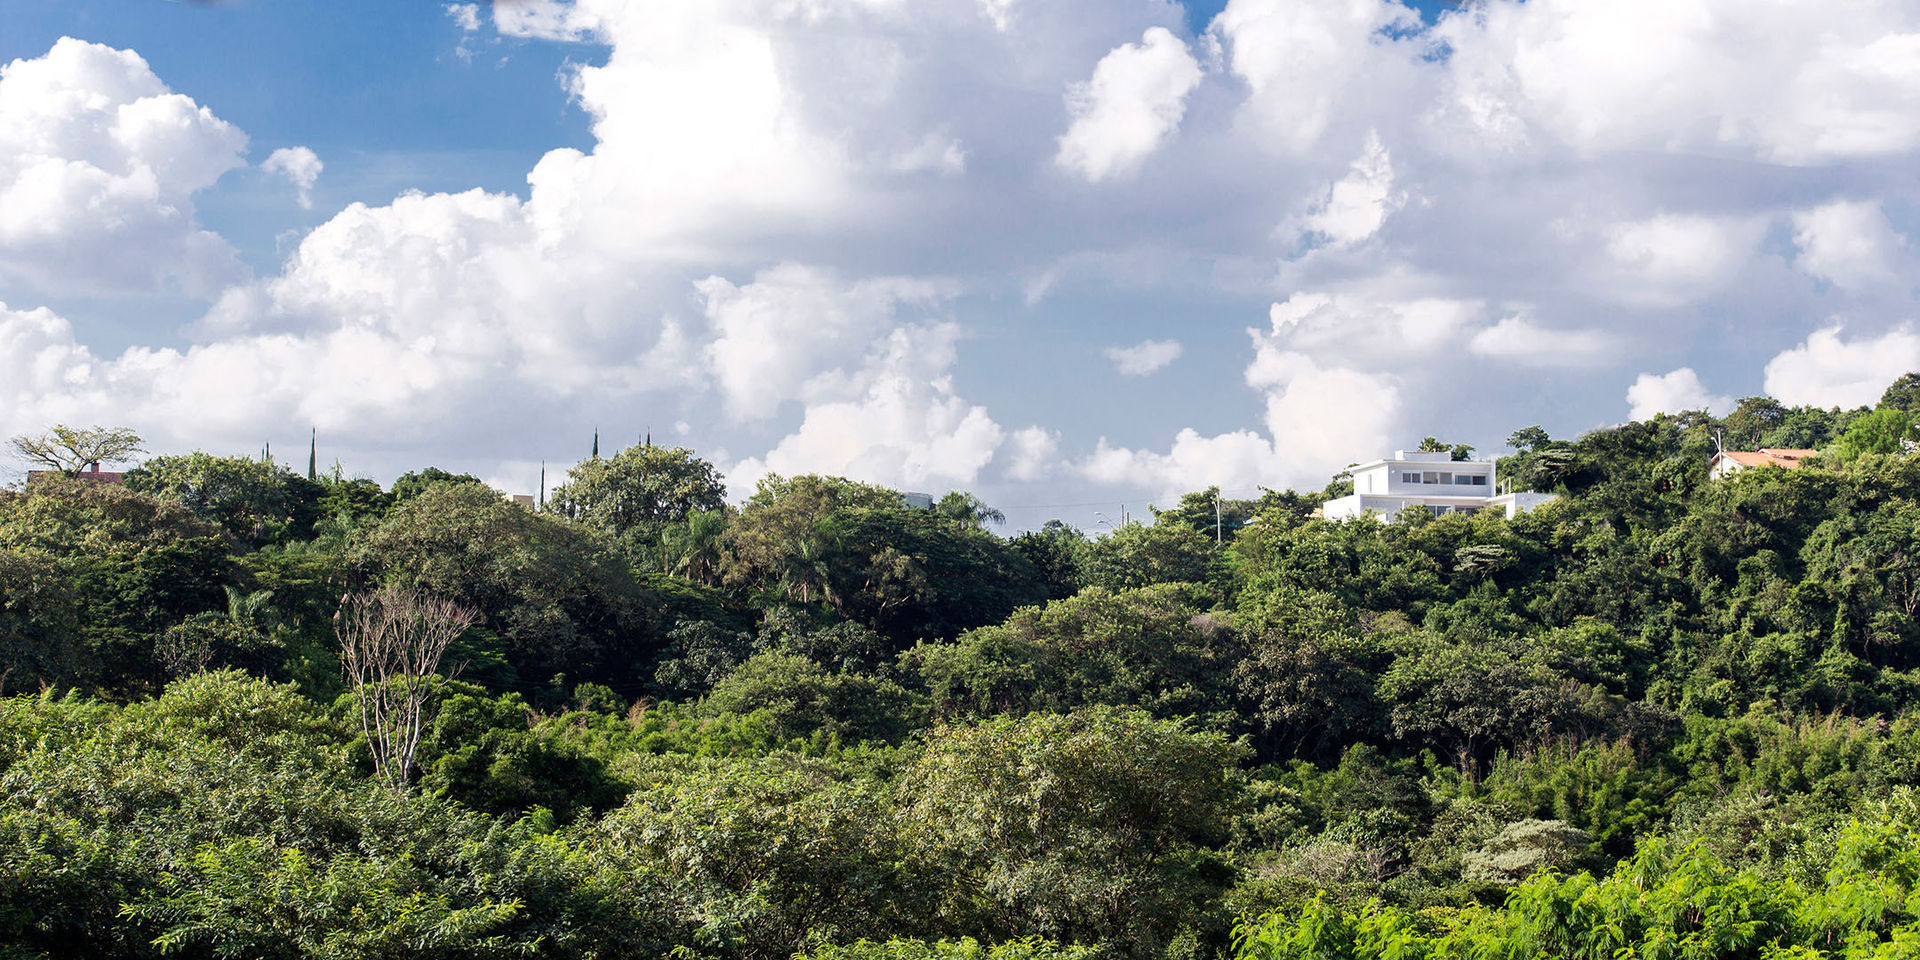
1435 481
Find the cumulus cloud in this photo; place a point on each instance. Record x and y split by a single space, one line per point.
902 425
1358 204
1518 337
1309 63
99 164
787 334
301 166
1131 106
1672 258
1787 82
1675 392
749 243
1144 357
1849 244
1827 370
1033 453
1361 325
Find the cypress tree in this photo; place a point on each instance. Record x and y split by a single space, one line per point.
313 450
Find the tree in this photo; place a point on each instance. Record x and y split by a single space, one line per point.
1206 512
71 450
391 642
1057 552
1459 451
691 548
1903 394
1752 419
256 502
1884 431
40 619
968 510
1090 827
413 484
1528 438
641 487
558 597
1138 555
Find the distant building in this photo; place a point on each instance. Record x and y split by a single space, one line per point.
524 499
1726 463
1434 481
93 473
918 501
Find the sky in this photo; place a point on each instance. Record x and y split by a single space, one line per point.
1070 255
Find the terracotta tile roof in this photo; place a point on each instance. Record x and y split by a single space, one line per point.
1767 457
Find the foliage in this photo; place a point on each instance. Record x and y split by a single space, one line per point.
70 450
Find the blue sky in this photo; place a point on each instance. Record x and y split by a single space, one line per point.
1073 252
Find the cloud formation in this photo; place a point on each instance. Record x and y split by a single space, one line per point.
1676 392
301 166
1131 106
99 164
1828 370
804 229
1144 357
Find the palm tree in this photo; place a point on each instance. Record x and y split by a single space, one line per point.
968 511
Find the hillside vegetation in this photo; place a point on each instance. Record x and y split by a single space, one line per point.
1663 716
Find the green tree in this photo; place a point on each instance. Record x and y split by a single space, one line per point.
639 488
256 502
413 483
1138 555
70 450
1057 553
969 510
1888 430
802 699
1090 827
556 597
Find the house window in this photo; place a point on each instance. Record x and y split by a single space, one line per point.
1437 511
1431 477
1471 480
1409 478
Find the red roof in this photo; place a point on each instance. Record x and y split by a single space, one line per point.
97 474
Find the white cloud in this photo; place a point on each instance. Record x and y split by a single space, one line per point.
1321 417
1310 64
1828 371
1787 81
301 166
1364 326
1144 357
99 163
1357 205
1674 392
466 16
1849 244
1131 106
902 426
1517 337
789 334
1034 452
1671 258
771 183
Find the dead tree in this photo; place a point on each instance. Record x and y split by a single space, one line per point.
391 642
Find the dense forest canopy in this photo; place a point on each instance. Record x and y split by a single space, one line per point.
1663 714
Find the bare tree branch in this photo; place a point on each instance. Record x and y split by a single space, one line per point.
391 642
